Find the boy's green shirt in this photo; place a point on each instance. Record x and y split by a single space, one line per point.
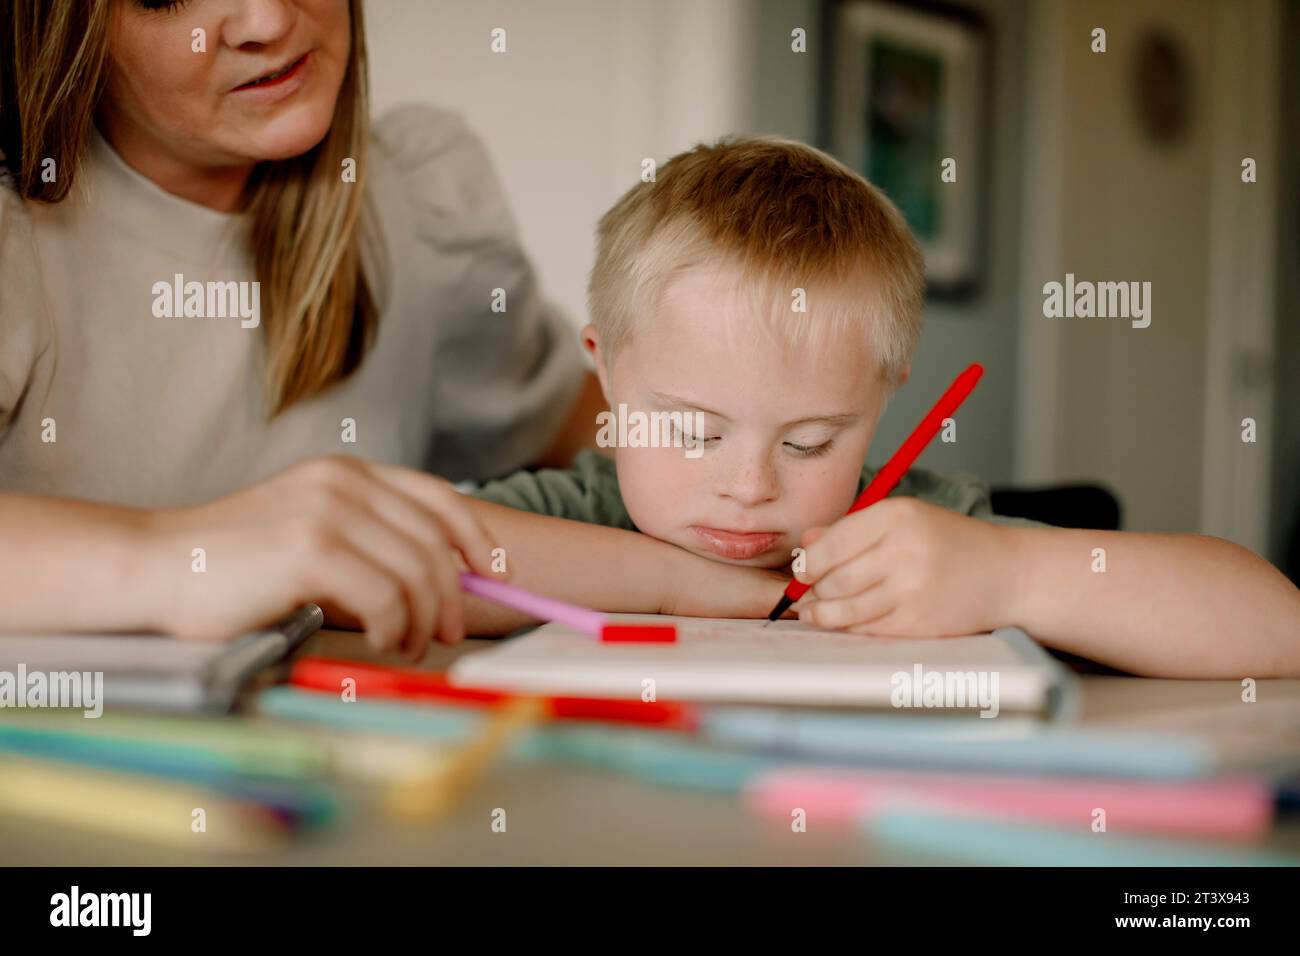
589 492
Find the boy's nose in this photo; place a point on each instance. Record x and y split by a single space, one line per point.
751 482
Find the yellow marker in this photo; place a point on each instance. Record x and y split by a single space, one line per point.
432 794
135 807
240 745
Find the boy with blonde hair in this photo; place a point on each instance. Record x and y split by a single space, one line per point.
765 301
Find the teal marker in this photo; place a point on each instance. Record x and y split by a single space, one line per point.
659 757
996 745
986 841
451 724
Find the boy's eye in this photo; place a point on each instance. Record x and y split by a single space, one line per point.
808 451
688 434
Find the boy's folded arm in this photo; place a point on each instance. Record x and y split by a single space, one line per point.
1166 605
611 569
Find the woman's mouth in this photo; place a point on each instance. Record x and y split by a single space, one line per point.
740 545
277 79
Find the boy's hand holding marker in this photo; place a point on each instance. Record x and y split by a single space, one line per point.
907 568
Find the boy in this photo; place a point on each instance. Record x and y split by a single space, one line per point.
765 301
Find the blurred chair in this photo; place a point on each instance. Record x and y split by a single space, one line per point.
1065 506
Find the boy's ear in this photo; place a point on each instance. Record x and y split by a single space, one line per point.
590 339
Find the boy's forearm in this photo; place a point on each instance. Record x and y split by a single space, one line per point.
1166 605
611 569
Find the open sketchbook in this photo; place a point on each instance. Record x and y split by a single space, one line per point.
787 662
153 672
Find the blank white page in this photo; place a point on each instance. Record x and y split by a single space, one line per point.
740 660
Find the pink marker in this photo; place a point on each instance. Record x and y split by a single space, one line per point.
595 623
1238 809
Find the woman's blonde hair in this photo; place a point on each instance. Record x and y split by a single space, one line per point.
319 309
791 224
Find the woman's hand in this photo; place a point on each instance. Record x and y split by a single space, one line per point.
373 544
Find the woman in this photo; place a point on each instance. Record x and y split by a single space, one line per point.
214 276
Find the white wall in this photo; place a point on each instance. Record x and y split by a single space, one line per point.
585 91
1153 412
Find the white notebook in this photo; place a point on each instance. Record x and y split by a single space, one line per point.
787 662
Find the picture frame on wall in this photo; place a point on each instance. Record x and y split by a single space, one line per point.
905 90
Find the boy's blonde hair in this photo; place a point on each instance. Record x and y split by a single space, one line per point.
787 217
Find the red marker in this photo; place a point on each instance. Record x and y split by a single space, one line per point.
889 476
415 685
